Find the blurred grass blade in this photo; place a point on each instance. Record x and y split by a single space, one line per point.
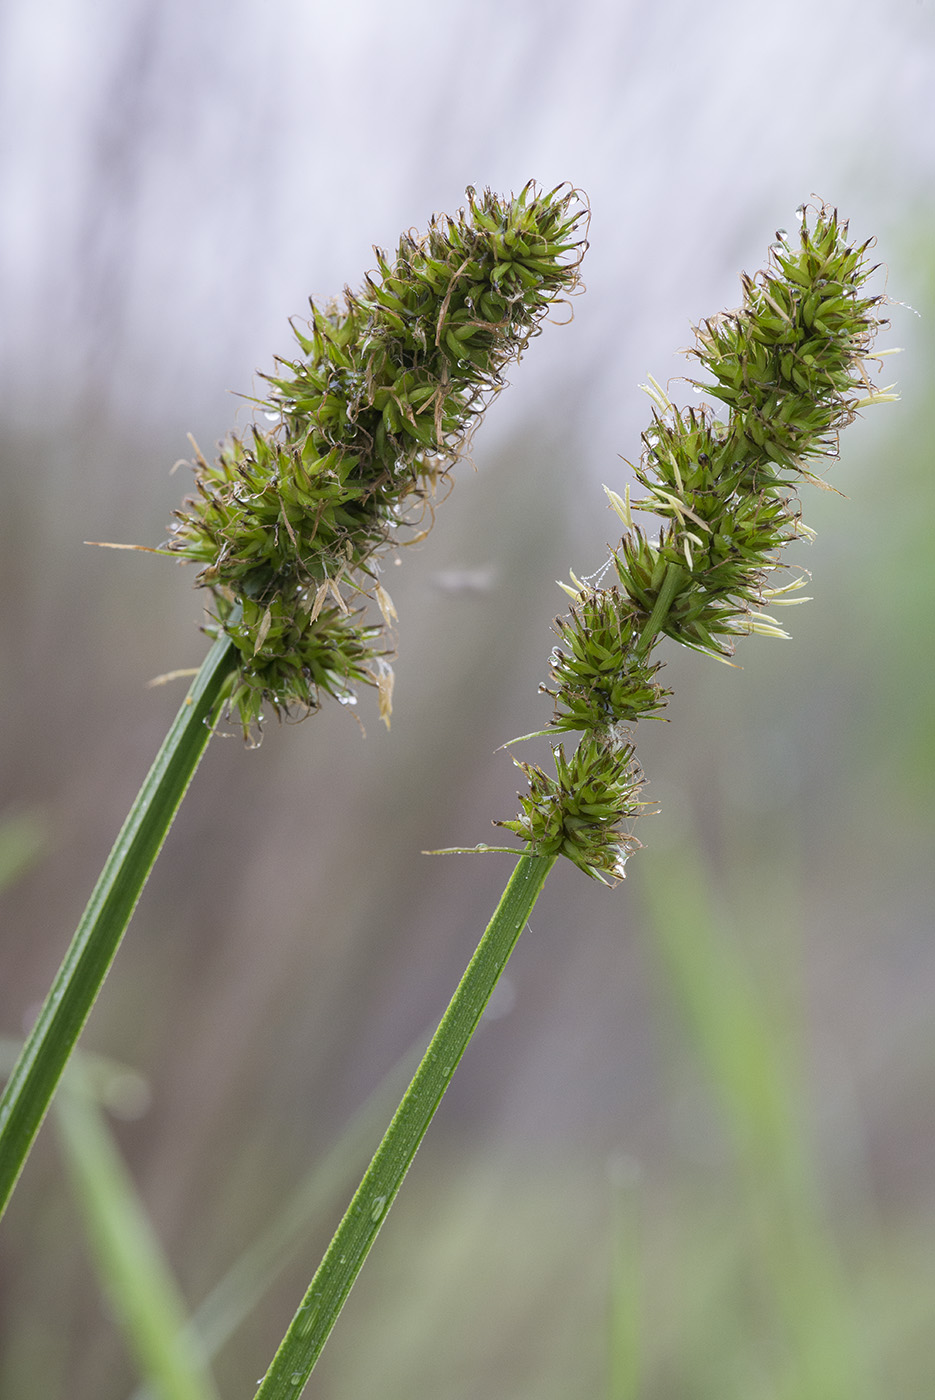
53 1037
242 1286
625 1322
122 1090
23 837
328 1291
740 1040
128 1258
734 1033
235 1296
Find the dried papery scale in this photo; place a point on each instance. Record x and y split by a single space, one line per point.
381 401
791 367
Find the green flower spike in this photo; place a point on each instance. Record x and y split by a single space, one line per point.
594 692
578 813
380 403
791 368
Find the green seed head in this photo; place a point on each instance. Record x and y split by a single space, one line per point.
582 811
378 404
790 367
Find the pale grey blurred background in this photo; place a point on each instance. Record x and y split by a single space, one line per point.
176 179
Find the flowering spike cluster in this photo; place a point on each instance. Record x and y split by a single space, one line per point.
593 691
790 367
376 407
577 813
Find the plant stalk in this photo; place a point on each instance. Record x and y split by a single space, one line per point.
673 581
97 938
309 1330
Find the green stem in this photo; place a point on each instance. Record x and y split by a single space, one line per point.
309 1330
87 962
674 578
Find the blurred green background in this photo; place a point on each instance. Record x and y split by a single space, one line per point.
691 1152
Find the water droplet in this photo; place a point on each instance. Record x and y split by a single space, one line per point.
348 698
378 1207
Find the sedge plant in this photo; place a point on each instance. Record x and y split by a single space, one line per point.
290 524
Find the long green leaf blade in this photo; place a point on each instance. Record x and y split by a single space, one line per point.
53 1037
328 1291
